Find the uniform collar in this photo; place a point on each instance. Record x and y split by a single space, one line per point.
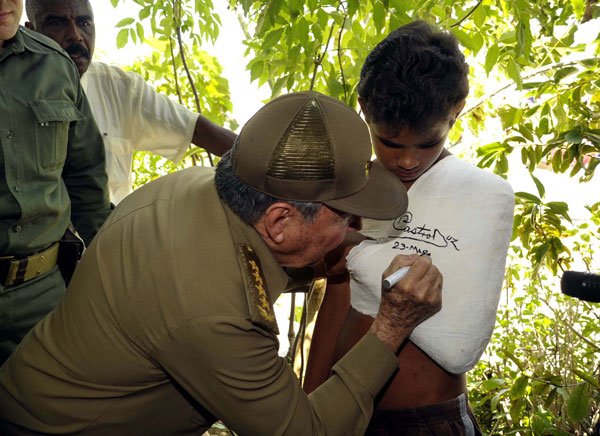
14 45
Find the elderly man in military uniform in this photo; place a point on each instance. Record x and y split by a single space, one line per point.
51 171
168 324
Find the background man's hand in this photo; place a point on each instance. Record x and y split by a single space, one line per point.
416 297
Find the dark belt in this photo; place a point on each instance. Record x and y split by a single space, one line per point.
15 270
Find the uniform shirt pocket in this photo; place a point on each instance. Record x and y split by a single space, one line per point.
51 132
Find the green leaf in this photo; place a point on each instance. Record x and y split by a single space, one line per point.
144 13
477 41
519 387
272 38
557 160
529 197
514 72
125 22
559 207
323 18
579 404
539 252
316 30
539 185
114 3
578 8
588 378
492 384
463 38
501 164
140 31
256 70
379 16
479 15
524 130
352 7
550 398
574 137
122 38
278 86
489 148
564 72
439 11
491 58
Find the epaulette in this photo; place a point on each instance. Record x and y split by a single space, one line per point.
261 308
37 42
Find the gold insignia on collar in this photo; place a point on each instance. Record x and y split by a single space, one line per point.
261 309
367 168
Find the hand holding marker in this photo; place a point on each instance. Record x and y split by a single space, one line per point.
392 279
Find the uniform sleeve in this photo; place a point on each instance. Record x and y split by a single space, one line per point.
84 173
231 367
159 124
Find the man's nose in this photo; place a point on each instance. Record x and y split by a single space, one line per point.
74 32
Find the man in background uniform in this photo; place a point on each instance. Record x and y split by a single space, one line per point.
52 170
130 114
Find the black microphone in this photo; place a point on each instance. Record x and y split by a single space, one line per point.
581 285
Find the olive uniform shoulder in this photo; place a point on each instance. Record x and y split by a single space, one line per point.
261 308
37 42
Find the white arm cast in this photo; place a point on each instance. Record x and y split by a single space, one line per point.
468 243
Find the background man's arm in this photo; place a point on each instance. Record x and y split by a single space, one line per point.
167 128
212 137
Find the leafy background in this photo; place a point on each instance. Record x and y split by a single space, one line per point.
534 88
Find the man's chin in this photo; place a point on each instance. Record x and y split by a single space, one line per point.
82 64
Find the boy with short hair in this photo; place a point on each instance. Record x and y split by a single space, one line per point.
413 86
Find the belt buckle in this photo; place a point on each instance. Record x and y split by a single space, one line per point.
15 270
10 269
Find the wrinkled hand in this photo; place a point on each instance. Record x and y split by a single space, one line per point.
416 297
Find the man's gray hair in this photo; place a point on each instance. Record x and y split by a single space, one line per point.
248 203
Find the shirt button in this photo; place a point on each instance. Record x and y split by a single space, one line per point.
9 134
17 189
17 229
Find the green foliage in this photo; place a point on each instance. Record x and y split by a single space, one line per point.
539 375
178 67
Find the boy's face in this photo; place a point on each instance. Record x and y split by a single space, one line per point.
409 155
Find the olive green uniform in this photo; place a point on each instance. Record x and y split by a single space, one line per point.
51 171
168 325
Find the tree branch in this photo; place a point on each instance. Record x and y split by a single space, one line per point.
177 14
339 51
319 59
175 71
589 11
459 22
543 69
